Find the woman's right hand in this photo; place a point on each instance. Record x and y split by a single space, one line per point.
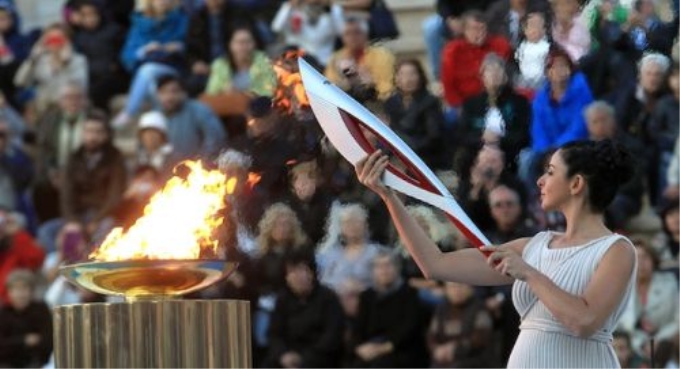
369 171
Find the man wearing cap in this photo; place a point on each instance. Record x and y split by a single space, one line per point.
154 148
192 129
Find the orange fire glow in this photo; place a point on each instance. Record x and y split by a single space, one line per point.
290 93
178 223
253 179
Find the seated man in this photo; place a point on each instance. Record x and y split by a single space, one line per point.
93 185
58 135
192 129
359 67
306 325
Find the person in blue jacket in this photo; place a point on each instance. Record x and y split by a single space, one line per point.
557 111
14 48
154 47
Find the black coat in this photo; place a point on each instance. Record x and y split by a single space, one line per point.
198 32
516 112
419 124
101 47
397 317
15 325
310 326
312 213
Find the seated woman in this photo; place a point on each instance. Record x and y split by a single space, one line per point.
557 111
245 68
25 325
652 311
280 234
313 25
244 72
415 114
347 251
51 65
154 47
498 116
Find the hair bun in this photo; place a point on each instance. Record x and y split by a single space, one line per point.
614 160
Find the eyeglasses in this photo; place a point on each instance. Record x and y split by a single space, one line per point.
504 204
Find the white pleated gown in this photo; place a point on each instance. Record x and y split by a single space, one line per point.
543 341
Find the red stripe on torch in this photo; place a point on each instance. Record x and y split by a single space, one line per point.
354 126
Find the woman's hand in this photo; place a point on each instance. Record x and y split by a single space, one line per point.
508 262
369 171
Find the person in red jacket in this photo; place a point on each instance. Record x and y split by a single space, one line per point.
462 58
18 250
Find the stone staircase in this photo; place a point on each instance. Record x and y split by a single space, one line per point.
410 15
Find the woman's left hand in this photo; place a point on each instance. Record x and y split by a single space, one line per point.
508 262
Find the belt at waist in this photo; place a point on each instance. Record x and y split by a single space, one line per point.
550 326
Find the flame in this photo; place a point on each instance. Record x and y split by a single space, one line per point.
178 223
290 94
253 179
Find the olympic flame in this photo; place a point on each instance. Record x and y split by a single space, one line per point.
179 222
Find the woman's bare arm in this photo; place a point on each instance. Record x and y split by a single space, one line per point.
465 266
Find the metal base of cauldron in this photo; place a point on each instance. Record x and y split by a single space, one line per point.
158 334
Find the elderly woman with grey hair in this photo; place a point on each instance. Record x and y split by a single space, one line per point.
601 123
635 107
497 116
347 251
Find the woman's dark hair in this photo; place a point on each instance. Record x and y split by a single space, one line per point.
605 164
236 28
557 52
415 63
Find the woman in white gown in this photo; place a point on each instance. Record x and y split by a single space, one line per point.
569 288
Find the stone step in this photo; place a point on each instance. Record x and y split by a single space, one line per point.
410 15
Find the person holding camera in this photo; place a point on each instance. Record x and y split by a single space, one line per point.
52 64
364 71
487 171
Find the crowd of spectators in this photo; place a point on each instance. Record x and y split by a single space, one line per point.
98 108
